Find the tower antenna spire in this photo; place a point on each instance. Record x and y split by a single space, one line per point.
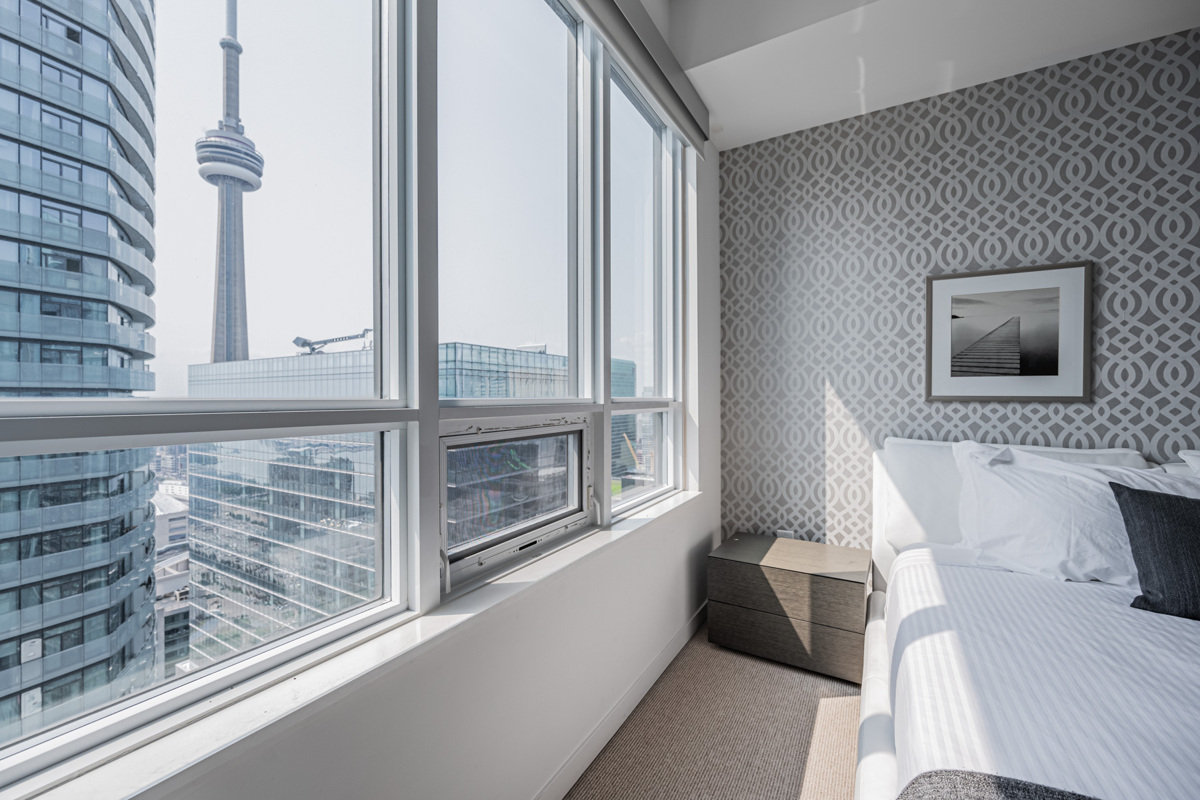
229 161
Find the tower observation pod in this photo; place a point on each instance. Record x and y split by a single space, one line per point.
229 161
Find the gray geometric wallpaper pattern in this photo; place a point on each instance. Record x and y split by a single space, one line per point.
827 235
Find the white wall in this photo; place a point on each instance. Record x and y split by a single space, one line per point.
516 702
706 30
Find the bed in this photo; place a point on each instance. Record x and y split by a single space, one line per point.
983 670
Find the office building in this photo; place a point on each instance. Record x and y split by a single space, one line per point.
478 371
281 531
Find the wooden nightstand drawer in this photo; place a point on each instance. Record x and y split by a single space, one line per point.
804 644
826 601
801 603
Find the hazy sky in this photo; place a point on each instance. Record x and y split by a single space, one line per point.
306 103
502 173
1014 303
503 191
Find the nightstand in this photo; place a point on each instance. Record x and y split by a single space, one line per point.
800 603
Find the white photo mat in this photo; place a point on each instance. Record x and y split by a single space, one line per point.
1072 383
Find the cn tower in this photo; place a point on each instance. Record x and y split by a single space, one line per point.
229 161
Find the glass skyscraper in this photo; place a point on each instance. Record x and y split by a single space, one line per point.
282 532
476 370
76 250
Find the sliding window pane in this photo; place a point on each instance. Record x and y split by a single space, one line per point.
506 148
498 490
638 455
125 569
635 241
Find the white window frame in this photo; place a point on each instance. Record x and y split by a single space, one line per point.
459 574
55 425
591 313
580 325
668 465
671 213
407 413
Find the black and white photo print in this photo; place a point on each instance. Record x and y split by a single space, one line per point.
1010 334
1004 333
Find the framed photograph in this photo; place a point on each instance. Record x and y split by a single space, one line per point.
1011 334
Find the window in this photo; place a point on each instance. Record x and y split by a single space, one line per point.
272 517
59 26
510 323
283 534
275 537
57 73
640 464
505 493
640 313
68 307
62 168
65 262
63 215
517 265
62 354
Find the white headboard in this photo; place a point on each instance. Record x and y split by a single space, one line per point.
916 490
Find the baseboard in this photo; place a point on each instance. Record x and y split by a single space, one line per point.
566 776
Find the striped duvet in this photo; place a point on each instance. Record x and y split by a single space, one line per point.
1056 683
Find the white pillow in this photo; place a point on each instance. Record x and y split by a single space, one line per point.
1192 459
1044 516
922 486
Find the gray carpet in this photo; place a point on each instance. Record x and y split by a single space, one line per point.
720 725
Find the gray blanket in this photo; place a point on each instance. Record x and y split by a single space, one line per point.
954 784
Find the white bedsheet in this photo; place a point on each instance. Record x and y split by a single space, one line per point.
1057 683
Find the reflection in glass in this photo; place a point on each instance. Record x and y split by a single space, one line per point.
497 489
638 455
122 569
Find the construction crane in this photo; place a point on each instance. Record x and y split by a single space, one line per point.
315 347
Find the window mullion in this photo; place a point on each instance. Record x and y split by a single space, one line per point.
425 558
659 266
601 179
575 311
391 199
44 435
679 387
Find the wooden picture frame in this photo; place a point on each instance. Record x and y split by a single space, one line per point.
1010 335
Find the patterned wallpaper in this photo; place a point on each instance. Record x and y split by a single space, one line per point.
827 235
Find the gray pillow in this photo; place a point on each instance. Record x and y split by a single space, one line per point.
1164 535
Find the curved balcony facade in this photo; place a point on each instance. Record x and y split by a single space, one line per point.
127 257
58 329
137 180
30 33
33 277
77 542
94 198
140 152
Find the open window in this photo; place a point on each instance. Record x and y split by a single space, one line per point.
507 491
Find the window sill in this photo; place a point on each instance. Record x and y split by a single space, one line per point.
152 754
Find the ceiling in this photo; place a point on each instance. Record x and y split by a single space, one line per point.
769 67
